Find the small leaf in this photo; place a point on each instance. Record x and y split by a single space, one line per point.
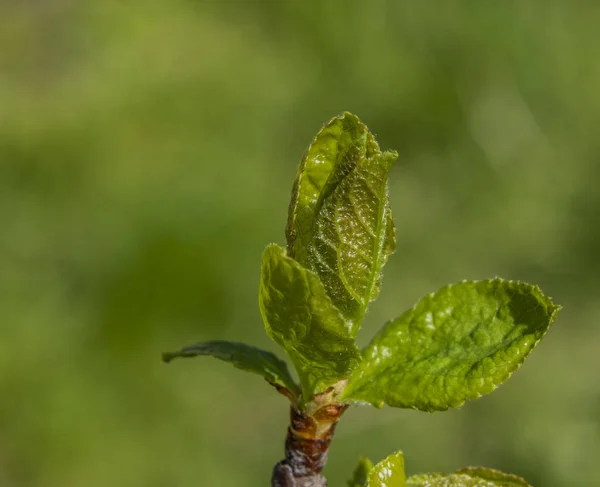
337 146
353 237
361 473
456 344
468 477
244 357
389 472
300 317
500 478
340 223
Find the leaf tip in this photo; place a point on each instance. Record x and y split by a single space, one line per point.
390 156
554 310
349 115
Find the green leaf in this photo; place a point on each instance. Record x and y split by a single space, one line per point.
361 473
389 472
337 146
340 223
468 477
244 357
500 478
353 237
299 315
456 344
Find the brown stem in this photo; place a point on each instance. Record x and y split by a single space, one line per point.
307 443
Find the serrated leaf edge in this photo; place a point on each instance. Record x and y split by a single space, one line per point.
546 300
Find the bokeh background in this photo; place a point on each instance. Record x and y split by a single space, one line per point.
147 152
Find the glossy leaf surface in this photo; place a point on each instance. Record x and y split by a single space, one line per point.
468 477
456 344
299 315
361 473
353 237
340 224
338 145
243 357
389 472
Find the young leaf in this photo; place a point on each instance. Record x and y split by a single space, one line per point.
300 317
500 478
468 477
353 237
340 223
456 344
244 357
338 145
361 473
389 472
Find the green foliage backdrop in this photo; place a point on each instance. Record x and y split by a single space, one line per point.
147 152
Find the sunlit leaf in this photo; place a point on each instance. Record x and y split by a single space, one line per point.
333 152
389 472
468 477
340 224
353 236
243 357
299 315
456 344
500 478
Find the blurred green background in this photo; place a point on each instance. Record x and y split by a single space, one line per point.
147 152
